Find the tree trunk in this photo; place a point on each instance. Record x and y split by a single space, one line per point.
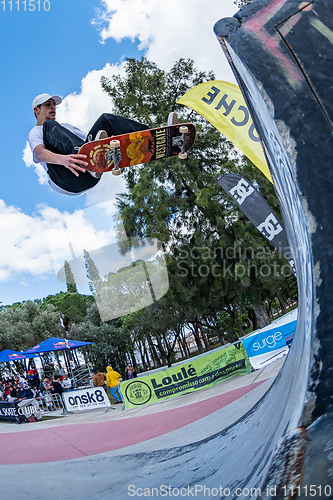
219 334
281 300
181 348
134 364
252 319
162 350
205 339
240 328
142 354
147 355
153 352
183 342
259 309
231 333
197 339
261 315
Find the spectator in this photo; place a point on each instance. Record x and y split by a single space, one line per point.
98 379
33 378
67 383
57 388
45 388
112 381
130 373
25 393
14 393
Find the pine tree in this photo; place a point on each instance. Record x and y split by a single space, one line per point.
94 279
181 203
70 280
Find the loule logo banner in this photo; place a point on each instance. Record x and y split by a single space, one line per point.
199 373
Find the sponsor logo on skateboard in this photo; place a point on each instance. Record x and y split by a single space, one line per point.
133 151
99 156
160 143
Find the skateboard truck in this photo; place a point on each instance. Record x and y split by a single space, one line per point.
180 142
116 156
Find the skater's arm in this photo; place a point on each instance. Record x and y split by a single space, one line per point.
73 162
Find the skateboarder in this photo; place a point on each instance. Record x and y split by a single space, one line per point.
54 145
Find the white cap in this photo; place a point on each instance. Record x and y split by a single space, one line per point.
41 98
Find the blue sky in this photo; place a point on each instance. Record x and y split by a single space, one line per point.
62 51
45 52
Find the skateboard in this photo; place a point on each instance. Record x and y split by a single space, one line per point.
117 152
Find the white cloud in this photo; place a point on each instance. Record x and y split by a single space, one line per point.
170 30
83 108
107 189
38 244
24 247
28 160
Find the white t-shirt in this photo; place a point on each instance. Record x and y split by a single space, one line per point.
35 138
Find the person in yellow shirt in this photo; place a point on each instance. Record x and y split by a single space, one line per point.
112 381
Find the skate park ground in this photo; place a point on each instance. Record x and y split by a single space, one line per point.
35 457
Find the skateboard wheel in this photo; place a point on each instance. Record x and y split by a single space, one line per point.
182 156
116 171
114 143
183 130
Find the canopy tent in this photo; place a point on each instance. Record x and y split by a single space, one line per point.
8 355
55 344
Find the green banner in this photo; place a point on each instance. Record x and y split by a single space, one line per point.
196 374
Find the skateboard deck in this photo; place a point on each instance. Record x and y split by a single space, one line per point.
118 152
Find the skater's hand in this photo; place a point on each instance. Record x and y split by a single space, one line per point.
75 162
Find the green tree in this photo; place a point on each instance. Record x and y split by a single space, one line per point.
25 324
181 204
70 280
93 276
72 305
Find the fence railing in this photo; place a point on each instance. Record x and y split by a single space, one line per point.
82 375
50 403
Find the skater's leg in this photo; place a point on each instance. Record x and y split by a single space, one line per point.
115 125
59 139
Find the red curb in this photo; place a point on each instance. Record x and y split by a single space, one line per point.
80 440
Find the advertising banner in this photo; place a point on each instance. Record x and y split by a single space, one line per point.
86 399
223 105
25 411
269 344
259 212
196 374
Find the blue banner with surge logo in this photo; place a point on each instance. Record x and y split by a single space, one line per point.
269 344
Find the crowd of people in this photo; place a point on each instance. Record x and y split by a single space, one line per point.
16 388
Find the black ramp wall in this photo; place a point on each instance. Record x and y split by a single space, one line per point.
281 52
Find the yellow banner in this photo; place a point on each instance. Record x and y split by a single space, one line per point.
223 105
190 376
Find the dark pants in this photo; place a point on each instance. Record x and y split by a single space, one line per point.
60 140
